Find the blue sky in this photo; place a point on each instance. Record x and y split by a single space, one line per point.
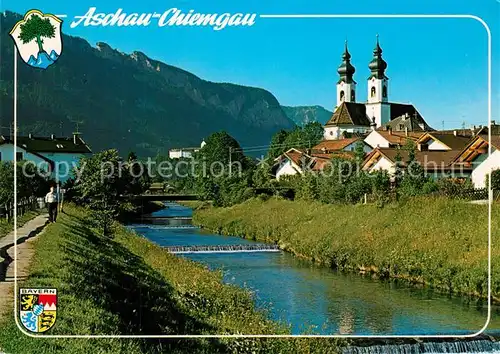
439 65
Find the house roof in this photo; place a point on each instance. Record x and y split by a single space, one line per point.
399 138
430 160
334 145
476 147
454 142
349 113
314 161
44 144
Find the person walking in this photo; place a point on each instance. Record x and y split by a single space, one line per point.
52 200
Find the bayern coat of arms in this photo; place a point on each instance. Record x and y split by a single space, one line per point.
37 309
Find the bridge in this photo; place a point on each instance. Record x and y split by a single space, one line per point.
161 197
251 247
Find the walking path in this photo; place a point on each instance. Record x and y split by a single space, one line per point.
25 252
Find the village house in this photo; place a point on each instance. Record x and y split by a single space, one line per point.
475 157
54 155
184 152
296 161
436 164
389 138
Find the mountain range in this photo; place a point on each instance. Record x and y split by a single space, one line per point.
301 115
132 102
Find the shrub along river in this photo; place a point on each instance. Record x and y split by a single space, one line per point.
314 299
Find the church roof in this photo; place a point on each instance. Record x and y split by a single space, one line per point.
377 64
349 113
401 109
346 70
406 123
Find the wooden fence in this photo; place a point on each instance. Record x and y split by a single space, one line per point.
23 206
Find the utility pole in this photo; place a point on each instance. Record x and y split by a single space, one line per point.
230 169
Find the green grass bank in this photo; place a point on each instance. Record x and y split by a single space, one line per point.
127 285
439 242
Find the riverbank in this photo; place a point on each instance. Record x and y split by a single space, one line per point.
125 284
438 242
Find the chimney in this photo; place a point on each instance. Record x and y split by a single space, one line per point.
52 136
455 133
30 136
75 138
373 125
406 131
390 130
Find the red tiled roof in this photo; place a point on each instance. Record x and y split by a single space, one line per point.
334 145
349 113
399 138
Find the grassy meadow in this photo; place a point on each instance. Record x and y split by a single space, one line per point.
439 242
125 284
7 227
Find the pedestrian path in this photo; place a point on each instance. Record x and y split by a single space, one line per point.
25 252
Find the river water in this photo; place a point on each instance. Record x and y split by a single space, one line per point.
314 299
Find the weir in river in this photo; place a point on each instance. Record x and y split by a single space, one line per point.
259 247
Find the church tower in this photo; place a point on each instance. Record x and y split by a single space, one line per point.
346 86
378 89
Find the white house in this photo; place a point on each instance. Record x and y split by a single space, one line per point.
57 156
436 164
439 141
475 156
389 138
184 152
297 161
290 163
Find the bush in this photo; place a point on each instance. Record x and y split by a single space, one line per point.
495 179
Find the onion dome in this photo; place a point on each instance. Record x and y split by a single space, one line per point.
346 70
377 65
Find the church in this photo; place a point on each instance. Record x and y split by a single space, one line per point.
378 113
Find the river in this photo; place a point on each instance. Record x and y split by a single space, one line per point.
315 299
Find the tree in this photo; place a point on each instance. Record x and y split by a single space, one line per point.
221 151
103 179
312 134
36 28
414 177
277 146
359 153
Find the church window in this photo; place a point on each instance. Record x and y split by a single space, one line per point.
372 92
353 96
342 94
331 132
384 92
